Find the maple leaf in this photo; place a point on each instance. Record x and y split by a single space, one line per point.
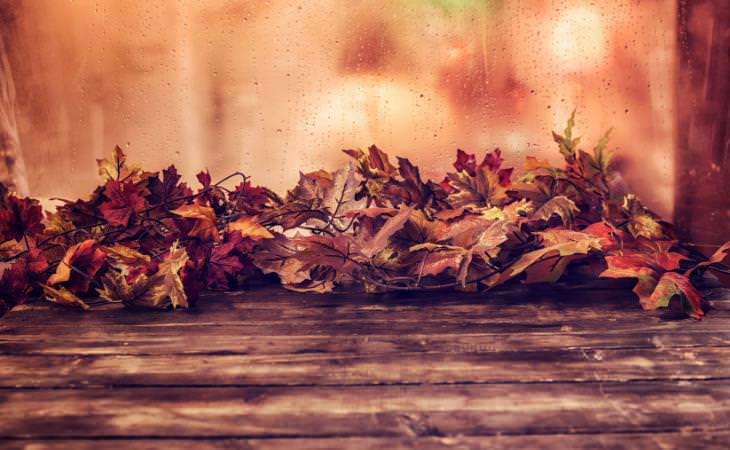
64 297
228 260
249 227
646 268
381 238
465 162
18 280
420 229
388 186
117 168
560 206
485 185
250 199
717 257
278 256
439 258
161 290
674 284
211 194
79 266
488 243
168 191
203 221
20 217
124 201
566 142
339 252
559 243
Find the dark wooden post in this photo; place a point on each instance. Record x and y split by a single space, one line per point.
12 168
702 208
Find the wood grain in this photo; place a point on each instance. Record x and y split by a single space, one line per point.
271 369
325 411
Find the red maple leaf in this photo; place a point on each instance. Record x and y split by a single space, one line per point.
248 198
228 260
168 190
466 162
20 217
124 200
17 280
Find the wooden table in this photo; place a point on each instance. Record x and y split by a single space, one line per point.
546 368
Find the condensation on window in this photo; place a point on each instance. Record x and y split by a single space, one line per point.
277 87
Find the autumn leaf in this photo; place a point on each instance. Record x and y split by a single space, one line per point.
278 255
160 290
717 257
203 221
559 243
566 142
116 169
250 199
483 185
558 206
168 191
18 280
646 268
79 266
124 201
228 261
381 238
20 217
64 297
465 162
249 227
438 258
674 284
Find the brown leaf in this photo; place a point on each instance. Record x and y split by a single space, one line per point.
249 227
204 222
158 291
63 296
382 237
560 206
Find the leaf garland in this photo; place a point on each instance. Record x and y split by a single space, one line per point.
148 240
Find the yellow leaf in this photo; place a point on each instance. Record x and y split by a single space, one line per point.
121 255
11 248
116 169
204 217
159 291
64 297
248 226
170 268
645 225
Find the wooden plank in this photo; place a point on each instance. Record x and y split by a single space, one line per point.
707 441
228 340
367 410
340 369
295 326
275 306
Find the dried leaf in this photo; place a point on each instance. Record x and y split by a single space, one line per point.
64 297
249 227
203 219
78 266
381 238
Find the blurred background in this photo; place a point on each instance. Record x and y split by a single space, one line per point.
281 86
